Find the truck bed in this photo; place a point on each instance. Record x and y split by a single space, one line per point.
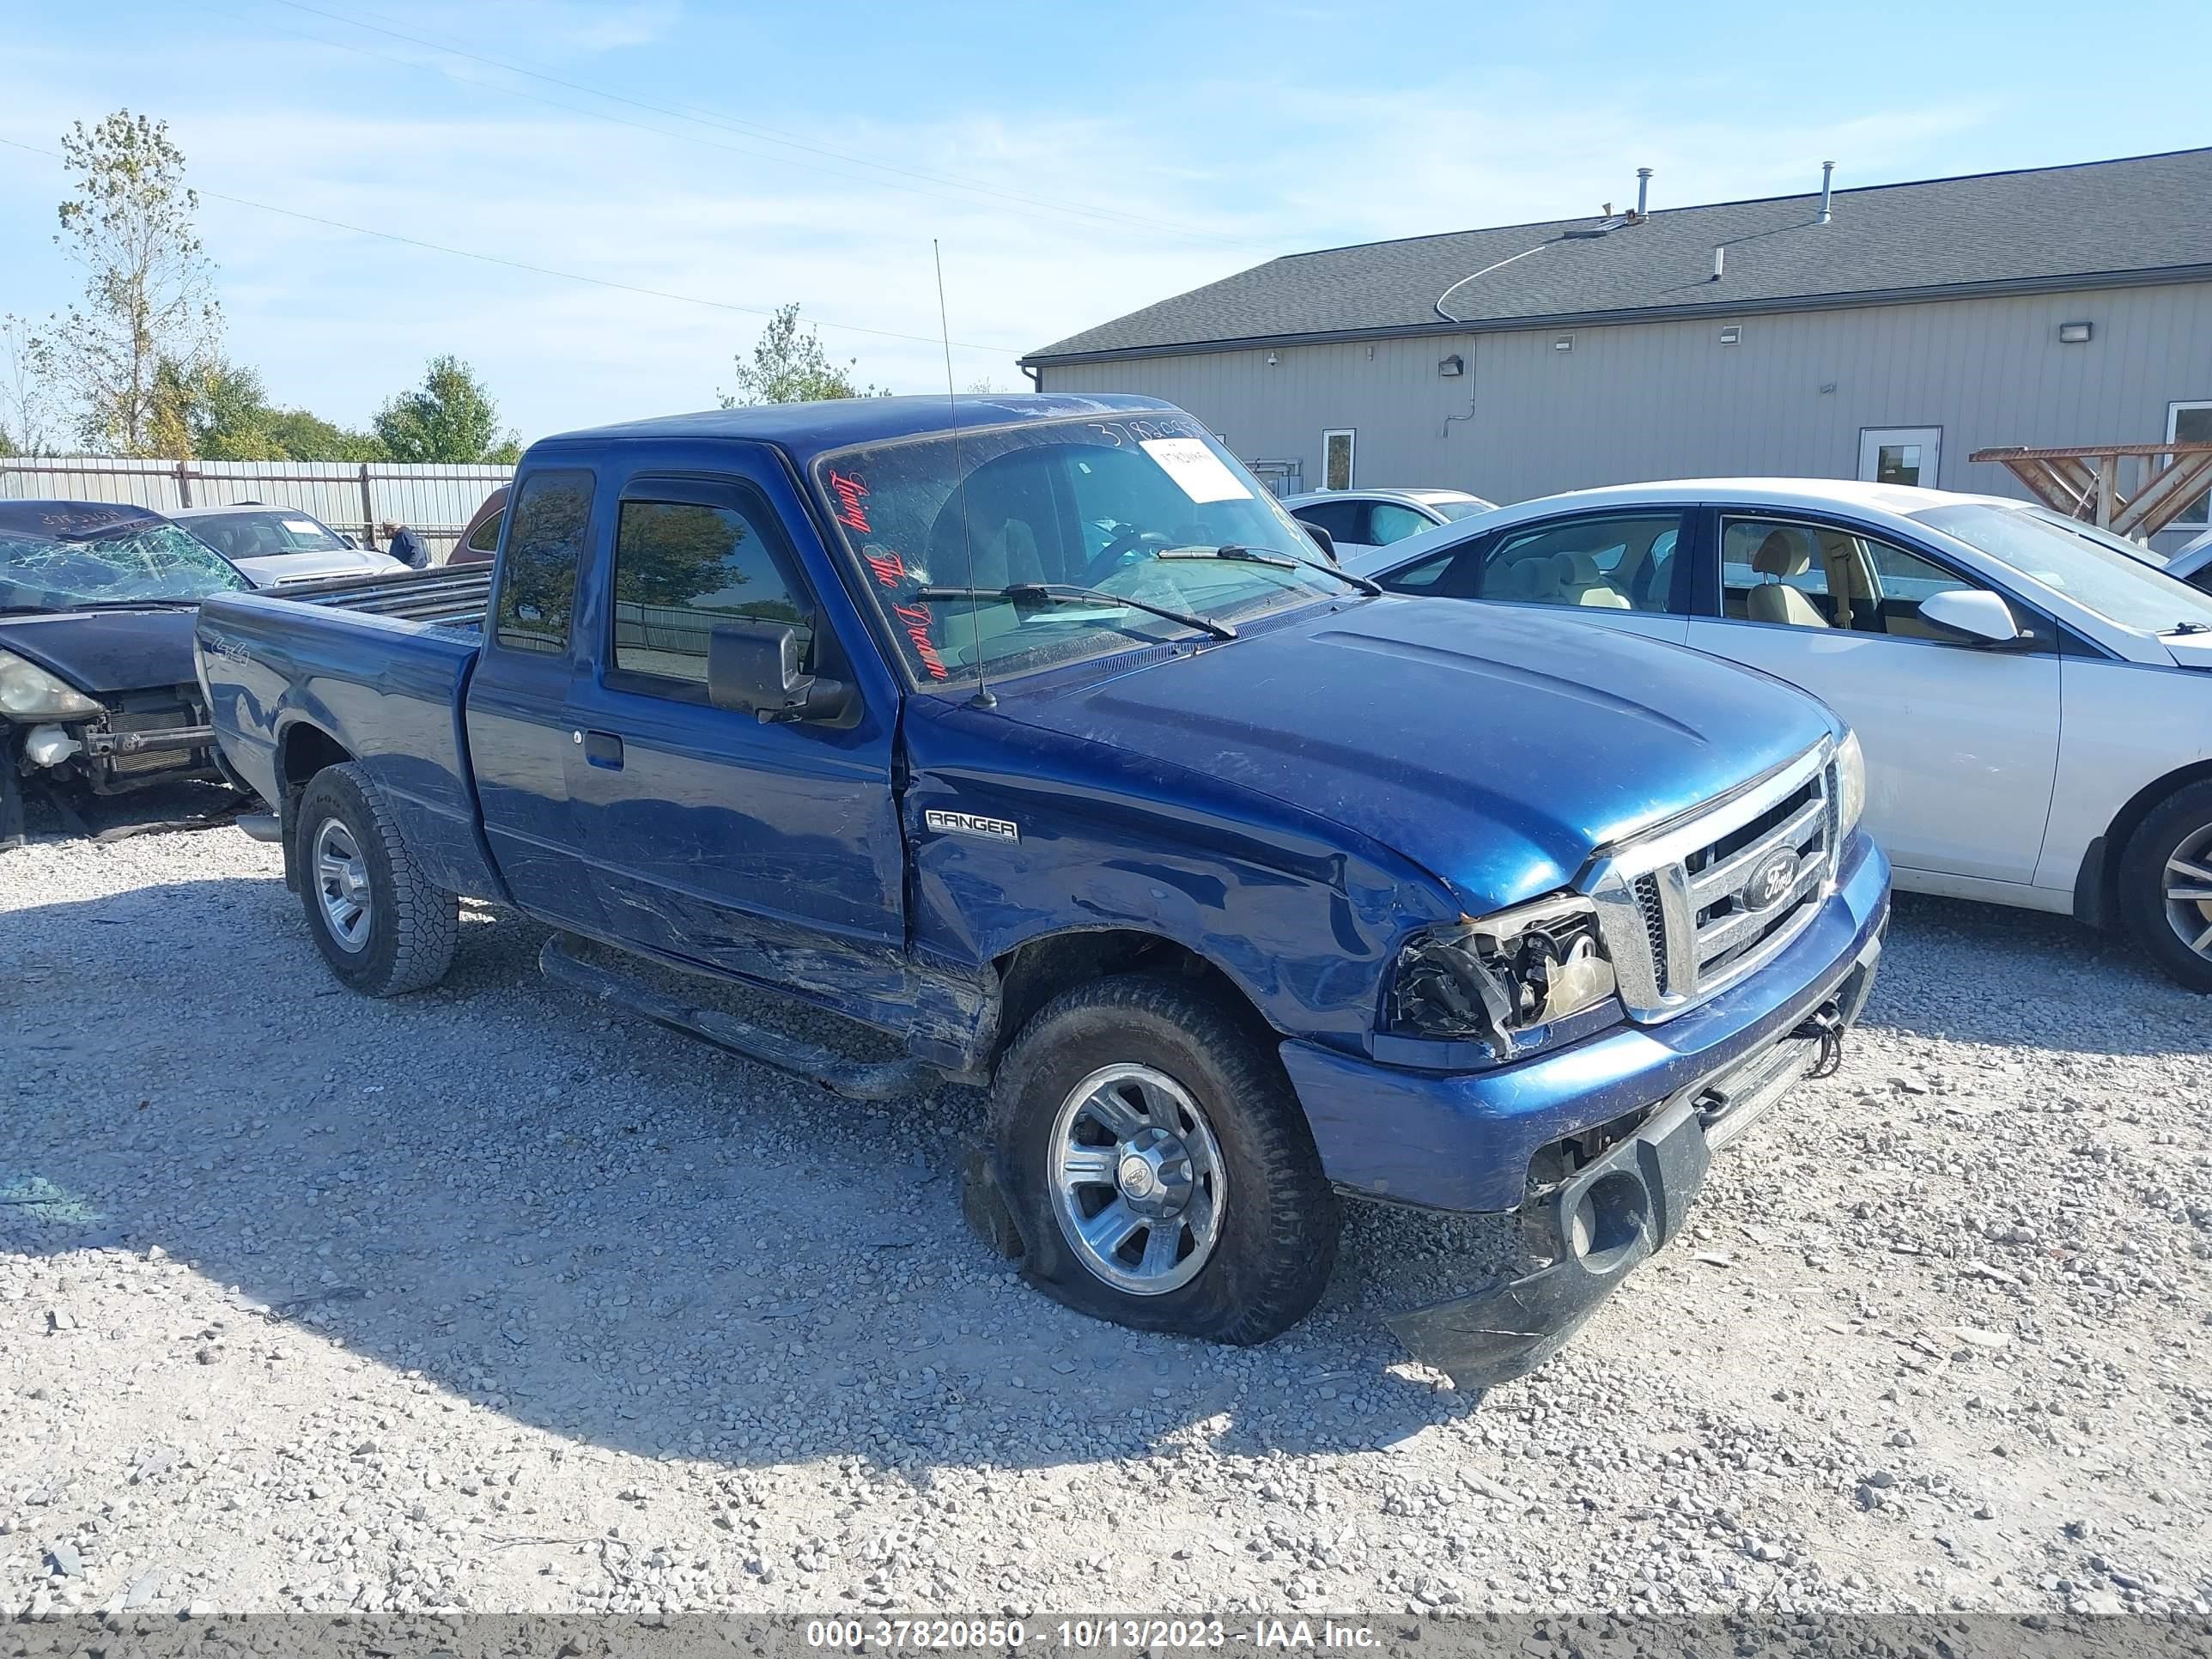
450 599
377 667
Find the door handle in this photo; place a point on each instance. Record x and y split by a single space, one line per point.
602 748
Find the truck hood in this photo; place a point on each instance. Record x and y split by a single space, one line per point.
1496 749
274 569
102 653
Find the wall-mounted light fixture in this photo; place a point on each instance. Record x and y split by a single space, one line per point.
1564 342
2075 333
1452 365
1732 335
1271 359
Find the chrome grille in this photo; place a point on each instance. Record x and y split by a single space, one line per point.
1690 908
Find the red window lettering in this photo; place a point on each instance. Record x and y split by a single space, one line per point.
849 492
890 569
916 618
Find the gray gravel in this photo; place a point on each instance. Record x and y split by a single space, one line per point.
481 1299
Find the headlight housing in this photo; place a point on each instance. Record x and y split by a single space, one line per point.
1850 782
1494 979
28 692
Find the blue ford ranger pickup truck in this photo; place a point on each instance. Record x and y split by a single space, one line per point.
1031 731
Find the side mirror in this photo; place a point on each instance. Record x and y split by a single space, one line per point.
1321 538
752 668
1973 614
347 540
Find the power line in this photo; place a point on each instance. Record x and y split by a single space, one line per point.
714 118
547 270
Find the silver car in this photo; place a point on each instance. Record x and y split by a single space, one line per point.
279 546
1358 520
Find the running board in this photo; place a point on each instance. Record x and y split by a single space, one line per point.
881 1080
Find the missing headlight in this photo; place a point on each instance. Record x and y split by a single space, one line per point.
1488 980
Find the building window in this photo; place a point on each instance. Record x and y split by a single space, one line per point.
2190 423
1336 460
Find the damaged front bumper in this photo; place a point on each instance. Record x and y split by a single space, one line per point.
1641 1110
1592 1229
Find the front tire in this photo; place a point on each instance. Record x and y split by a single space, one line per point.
1159 1165
2166 885
379 923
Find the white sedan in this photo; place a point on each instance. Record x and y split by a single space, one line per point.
2035 704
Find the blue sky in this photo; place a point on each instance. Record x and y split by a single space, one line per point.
1076 162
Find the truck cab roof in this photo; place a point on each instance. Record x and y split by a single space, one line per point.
805 430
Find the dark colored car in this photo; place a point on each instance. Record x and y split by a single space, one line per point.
97 686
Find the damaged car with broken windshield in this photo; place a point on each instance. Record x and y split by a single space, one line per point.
98 691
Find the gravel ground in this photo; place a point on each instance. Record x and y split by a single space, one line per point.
480 1299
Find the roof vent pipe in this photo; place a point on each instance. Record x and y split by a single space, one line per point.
1827 173
1720 261
1643 190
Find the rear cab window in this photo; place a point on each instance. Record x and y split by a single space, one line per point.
537 601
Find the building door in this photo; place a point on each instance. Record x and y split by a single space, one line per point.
1336 447
1901 455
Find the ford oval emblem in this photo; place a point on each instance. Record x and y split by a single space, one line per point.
1771 880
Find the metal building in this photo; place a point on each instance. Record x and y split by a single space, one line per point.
1888 331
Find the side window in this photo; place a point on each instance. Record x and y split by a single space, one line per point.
1388 521
1346 521
1902 580
486 540
538 593
1812 575
1614 564
1453 573
1776 572
681 567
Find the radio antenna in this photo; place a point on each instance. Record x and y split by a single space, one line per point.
982 699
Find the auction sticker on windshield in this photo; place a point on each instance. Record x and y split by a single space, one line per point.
1197 470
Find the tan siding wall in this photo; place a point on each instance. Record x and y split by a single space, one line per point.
1657 400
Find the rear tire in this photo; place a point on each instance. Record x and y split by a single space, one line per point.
2167 864
379 923
1235 1226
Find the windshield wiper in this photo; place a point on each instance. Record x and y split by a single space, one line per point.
2191 627
1020 593
1267 555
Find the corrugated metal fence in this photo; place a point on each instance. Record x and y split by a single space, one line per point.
434 502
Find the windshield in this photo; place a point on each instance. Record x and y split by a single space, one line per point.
263 535
2112 583
1454 511
148 562
2139 551
1072 504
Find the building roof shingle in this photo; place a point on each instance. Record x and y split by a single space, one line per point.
2097 222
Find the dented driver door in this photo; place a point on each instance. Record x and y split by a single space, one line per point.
770 851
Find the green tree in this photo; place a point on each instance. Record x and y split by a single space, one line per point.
790 366
301 436
148 290
450 418
214 410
